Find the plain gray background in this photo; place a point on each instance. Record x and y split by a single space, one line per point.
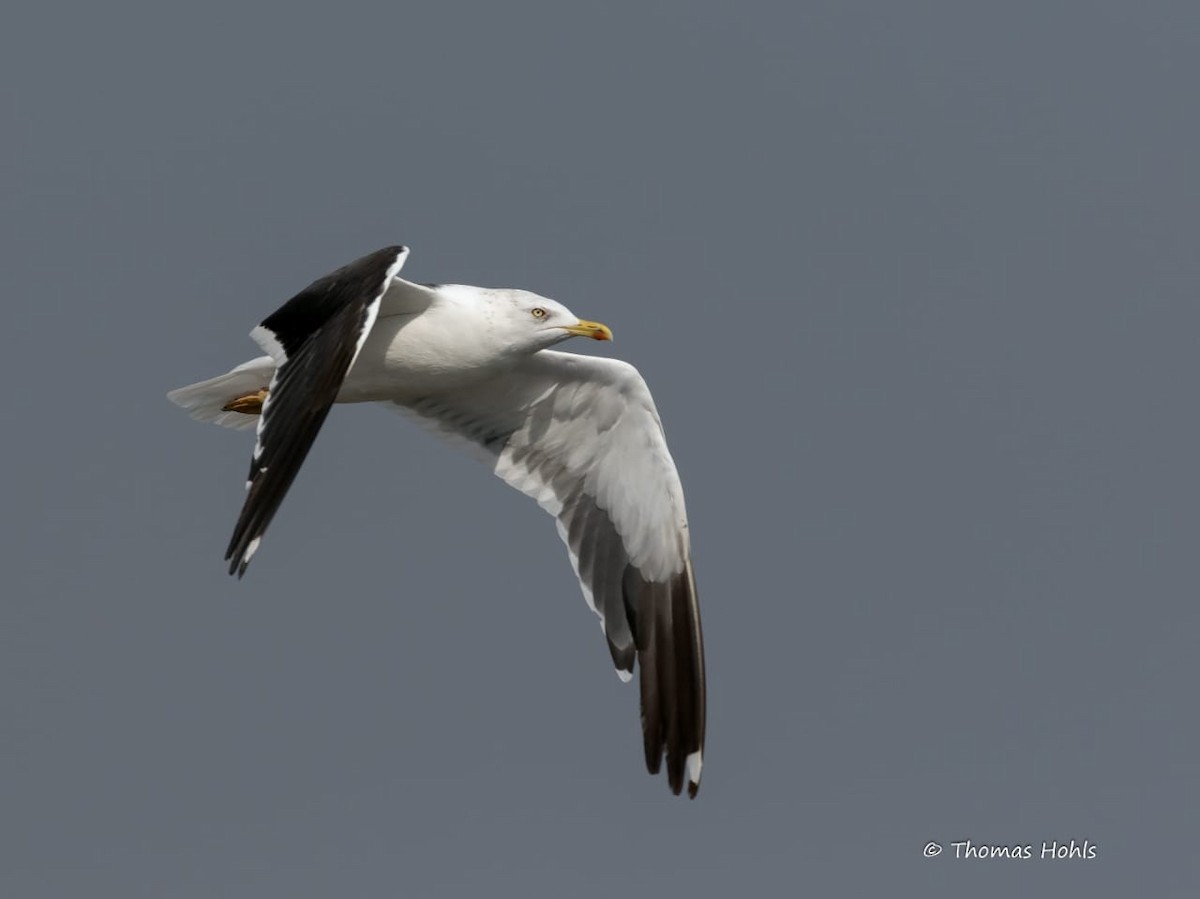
914 285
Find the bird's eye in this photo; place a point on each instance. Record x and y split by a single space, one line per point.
537 312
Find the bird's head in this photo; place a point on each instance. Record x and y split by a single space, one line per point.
538 322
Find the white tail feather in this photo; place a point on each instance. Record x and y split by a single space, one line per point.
205 401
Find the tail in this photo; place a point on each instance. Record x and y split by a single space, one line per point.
206 400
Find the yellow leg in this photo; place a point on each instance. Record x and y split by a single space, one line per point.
250 404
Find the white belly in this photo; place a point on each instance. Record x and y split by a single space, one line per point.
407 356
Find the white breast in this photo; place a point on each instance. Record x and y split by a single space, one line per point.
445 345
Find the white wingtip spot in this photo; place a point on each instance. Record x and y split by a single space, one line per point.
625 676
694 763
251 548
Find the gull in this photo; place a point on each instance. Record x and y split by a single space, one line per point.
578 434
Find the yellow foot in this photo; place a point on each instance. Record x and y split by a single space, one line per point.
250 404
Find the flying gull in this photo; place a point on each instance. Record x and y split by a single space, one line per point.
579 434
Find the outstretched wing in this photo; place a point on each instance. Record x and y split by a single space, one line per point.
581 436
314 338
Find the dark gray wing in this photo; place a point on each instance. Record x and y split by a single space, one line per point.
314 338
581 436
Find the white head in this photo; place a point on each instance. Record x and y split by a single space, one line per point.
526 321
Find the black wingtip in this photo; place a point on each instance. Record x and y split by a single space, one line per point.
671 656
237 564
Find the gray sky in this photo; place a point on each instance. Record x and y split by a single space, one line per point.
915 288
